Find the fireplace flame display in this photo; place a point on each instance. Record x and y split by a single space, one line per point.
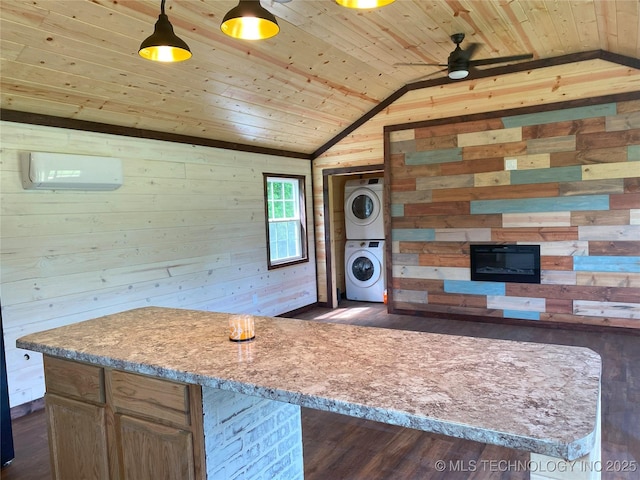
505 263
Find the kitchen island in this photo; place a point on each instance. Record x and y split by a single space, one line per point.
169 381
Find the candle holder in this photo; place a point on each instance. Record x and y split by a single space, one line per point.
242 328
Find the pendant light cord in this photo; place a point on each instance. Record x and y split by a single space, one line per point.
162 7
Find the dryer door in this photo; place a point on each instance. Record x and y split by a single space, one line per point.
362 207
364 268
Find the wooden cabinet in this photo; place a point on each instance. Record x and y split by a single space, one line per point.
137 438
109 424
77 439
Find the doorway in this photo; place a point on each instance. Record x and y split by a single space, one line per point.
333 182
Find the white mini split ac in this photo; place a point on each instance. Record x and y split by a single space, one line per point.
62 171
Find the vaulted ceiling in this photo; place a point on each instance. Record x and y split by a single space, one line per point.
326 69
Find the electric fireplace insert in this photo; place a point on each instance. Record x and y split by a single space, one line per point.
505 263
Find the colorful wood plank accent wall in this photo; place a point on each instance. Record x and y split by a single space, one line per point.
566 179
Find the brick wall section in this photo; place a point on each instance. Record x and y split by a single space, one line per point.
567 180
251 438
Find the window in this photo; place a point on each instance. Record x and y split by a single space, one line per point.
286 220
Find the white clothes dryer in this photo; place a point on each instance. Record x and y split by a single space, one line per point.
365 270
363 204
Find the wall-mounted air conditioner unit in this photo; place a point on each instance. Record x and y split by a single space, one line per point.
62 171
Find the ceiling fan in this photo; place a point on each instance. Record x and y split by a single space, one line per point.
460 62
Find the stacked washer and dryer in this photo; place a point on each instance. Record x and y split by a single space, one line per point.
364 250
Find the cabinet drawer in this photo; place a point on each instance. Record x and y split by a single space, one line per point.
150 397
73 379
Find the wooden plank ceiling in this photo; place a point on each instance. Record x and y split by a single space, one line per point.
326 68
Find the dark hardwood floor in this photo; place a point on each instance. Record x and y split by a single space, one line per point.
337 447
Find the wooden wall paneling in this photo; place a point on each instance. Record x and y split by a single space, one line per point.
607 186
516 303
565 128
412 296
490 137
490 179
186 230
431 273
364 145
534 234
445 221
608 279
435 248
496 192
462 234
424 285
485 165
618 248
405 172
478 152
537 219
546 175
613 232
435 143
584 201
564 248
609 170
472 301
559 305
589 156
627 201
611 217
558 277
443 260
556 263
606 309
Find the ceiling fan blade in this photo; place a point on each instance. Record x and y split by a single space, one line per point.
490 61
471 49
419 65
429 75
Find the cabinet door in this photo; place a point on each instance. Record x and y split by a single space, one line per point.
77 439
151 450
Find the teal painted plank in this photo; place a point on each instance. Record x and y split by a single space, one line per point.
413 234
607 264
552 204
560 115
397 210
521 314
545 175
633 153
474 288
430 157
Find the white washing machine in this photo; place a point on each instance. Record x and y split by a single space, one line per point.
363 205
364 270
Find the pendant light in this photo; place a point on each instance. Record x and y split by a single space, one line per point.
164 45
249 21
363 4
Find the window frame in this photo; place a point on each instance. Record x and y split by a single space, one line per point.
302 206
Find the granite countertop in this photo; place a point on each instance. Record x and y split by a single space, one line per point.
534 397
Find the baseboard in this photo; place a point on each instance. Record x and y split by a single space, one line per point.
297 311
27 408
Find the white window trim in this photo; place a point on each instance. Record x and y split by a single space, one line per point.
302 221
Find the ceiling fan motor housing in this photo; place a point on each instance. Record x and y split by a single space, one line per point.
458 61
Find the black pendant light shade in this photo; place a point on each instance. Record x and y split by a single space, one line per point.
164 45
249 21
